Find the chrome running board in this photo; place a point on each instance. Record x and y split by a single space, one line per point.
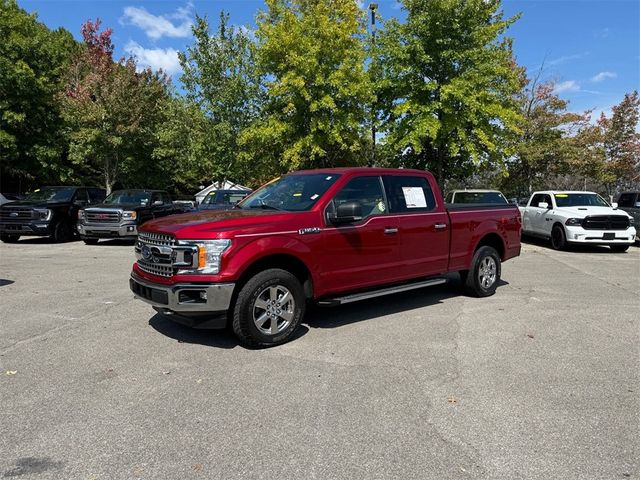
356 297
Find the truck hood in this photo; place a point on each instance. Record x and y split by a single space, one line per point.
34 204
581 212
212 223
115 206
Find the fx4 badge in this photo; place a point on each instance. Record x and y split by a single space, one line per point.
306 231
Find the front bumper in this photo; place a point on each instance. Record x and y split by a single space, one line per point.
579 235
125 230
36 229
189 303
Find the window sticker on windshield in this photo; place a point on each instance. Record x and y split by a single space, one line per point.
414 197
561 195
329 178
297 194
314 196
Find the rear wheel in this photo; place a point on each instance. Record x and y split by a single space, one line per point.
558 238
7 238
619 248
269 308
484 274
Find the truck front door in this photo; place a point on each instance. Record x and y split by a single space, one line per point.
365 252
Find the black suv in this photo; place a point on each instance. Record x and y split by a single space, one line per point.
47 212
122 212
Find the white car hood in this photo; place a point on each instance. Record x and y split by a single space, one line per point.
581 212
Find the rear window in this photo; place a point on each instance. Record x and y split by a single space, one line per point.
627 199
480 197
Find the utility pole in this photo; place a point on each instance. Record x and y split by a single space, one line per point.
373 7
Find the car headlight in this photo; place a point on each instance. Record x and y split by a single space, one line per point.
209 255
632 221
43 213
129 215
80 214
573 222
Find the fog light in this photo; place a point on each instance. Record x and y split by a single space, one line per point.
129 229
203 295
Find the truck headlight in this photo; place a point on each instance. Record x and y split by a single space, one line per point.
573 222
209 255
80 214
43 214
129 215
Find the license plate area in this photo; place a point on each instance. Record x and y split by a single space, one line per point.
609 236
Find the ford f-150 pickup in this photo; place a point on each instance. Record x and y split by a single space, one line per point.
331 236
577 218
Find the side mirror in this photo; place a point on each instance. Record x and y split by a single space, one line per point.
348 212
614 205
80 203
158 202
543 205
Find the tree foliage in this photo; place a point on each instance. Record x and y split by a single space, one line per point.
33 60
448 86
111 112
317 90
219 77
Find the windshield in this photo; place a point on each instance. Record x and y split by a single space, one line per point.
52 194
479 197
295 193
123 197
580 200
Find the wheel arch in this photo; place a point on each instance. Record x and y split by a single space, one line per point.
493 240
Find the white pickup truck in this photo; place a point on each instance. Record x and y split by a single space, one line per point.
577 218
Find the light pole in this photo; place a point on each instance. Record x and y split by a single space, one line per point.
373 7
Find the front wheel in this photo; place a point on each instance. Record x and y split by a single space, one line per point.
7 238
558 238
268 309
62 232
484 274
619 248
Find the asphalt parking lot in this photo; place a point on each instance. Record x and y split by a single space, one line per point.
540 381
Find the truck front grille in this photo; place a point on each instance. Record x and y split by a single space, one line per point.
606 222
102 216
15 214
155 253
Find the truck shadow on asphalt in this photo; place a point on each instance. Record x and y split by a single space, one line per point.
323 317
601 249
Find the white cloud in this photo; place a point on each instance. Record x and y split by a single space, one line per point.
603 76
567 58
158 26
567 86
165 59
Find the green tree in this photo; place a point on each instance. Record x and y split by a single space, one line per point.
312 54
33 60
219 77
112 113
546 146
448 86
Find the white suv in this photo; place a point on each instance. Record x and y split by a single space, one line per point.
578 218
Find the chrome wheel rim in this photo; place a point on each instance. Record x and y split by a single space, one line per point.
273 310
487 272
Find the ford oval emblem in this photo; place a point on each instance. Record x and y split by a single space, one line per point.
13 214
146 253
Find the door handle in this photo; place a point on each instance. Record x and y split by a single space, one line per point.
390 230
440 226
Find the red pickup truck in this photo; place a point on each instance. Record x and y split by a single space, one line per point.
331 236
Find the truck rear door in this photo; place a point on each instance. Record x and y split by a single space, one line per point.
423 224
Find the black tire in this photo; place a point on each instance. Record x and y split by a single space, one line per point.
255 317
619 248
62 232
558 238
90 241
8 238
484 274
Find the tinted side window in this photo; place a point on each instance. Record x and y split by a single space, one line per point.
81 195
540 197
165 197
365 190
627 200
409 194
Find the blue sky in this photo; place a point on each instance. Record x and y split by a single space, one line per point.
591 48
